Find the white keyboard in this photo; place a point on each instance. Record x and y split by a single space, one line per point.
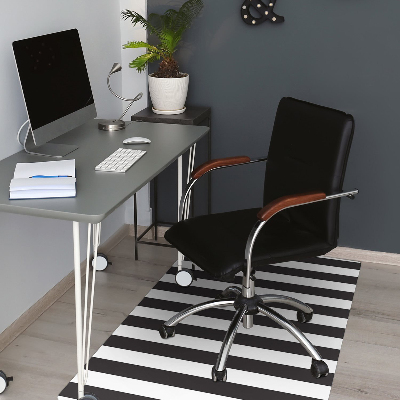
121 160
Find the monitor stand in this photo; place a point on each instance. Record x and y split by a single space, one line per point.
48 149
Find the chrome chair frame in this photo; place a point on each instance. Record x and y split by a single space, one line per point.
235 296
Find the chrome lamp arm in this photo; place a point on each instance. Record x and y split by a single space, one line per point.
273 208
138 97
117 124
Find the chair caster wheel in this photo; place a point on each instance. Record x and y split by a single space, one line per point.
218 376
319 369
184 277
304 317
166 331
102 262
89 397
4 381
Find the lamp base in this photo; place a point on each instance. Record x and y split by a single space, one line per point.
110 125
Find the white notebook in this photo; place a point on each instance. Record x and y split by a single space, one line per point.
44 180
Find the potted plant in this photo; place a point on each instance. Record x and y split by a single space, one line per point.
168 86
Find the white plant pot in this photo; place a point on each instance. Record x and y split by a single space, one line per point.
168 95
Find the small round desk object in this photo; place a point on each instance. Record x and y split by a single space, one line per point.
136 140
109 125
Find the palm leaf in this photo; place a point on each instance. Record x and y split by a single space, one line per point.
187 13
170 18
170 40
168 27
139 45
155 20
140 63
167 41
136 18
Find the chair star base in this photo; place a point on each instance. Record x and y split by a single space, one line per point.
247 307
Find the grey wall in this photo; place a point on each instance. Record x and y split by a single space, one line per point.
341 54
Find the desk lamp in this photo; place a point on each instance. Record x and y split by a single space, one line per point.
118 124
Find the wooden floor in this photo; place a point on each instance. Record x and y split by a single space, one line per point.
42 359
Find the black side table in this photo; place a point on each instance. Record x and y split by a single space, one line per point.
192 116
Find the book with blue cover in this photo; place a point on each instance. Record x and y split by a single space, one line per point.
43 180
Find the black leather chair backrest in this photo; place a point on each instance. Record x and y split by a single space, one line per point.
309 149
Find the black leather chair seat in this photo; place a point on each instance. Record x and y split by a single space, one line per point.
216 243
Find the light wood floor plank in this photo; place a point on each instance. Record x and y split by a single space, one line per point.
368 367
152 254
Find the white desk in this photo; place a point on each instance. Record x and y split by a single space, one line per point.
98 195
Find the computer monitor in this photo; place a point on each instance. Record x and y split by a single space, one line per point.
56 88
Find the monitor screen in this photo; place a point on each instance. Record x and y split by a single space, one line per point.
54 82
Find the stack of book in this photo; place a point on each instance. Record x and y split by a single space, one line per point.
43 180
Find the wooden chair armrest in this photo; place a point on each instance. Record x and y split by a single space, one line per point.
219 162
288 201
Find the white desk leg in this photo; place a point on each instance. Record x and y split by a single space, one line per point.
192 155
78 308
84 326
192 152
180 188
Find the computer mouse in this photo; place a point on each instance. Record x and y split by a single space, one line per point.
136 140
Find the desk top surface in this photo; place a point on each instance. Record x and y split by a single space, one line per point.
98 194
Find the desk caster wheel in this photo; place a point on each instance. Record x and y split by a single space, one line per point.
4 381
304 317
89 397
102 262
184 277
319 369
218 376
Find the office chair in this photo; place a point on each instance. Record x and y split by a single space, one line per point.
304 175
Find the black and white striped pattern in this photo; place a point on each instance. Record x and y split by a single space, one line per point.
265 362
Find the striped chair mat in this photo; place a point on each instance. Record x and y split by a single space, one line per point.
265 362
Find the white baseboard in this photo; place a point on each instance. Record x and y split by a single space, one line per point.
377 257
34 312
149 235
